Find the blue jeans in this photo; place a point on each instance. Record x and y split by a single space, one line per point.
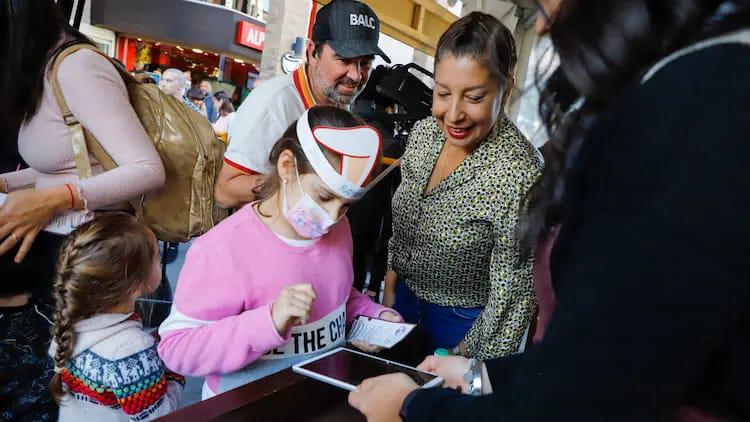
446 326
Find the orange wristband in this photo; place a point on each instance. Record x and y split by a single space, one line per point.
72 197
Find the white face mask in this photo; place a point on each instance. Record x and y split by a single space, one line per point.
307 217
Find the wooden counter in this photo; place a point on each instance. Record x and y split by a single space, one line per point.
287 396
284 396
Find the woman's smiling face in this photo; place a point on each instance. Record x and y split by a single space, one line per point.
466 101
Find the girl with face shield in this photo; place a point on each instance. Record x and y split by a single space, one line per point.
272 285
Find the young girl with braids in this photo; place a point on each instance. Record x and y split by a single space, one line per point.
106 365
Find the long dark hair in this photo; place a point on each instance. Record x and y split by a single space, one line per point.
605 46
29 32
226 108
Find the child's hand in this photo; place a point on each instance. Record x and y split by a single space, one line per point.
391 316
366 347
292 307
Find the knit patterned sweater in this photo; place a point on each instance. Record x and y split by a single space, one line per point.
115 373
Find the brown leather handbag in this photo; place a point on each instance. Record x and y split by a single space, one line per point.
192 156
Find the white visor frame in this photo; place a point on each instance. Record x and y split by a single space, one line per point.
358 159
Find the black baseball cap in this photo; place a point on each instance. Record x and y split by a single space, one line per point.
351 28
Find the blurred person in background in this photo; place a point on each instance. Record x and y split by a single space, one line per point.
211 112
172 83
198 99
223 104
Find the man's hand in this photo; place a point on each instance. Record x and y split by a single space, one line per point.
380 398
234 187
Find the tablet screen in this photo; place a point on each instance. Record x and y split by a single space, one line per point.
353 368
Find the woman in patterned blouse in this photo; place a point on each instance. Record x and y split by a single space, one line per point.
455 263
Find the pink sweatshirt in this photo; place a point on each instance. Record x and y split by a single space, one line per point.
221 317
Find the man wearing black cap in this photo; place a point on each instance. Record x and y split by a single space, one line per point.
339 59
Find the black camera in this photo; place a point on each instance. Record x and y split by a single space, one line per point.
394 99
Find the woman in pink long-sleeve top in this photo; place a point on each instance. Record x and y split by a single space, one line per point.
33 31
97 96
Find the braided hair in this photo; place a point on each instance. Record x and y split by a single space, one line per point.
102 264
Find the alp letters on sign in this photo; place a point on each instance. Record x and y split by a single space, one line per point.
362 20
250 35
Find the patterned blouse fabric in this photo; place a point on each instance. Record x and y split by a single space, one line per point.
457 245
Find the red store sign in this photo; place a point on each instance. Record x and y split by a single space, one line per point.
250 35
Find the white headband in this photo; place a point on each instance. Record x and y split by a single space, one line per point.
359 148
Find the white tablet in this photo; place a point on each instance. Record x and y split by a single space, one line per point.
347 368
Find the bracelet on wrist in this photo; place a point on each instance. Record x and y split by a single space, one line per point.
72 196
473 378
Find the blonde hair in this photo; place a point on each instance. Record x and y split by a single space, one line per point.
101 264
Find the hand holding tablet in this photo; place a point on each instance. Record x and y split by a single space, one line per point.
345 368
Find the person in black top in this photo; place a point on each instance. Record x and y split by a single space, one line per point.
649 180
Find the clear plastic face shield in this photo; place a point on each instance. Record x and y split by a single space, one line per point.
360 149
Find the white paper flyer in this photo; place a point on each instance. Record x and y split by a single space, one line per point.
63 223
379 332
